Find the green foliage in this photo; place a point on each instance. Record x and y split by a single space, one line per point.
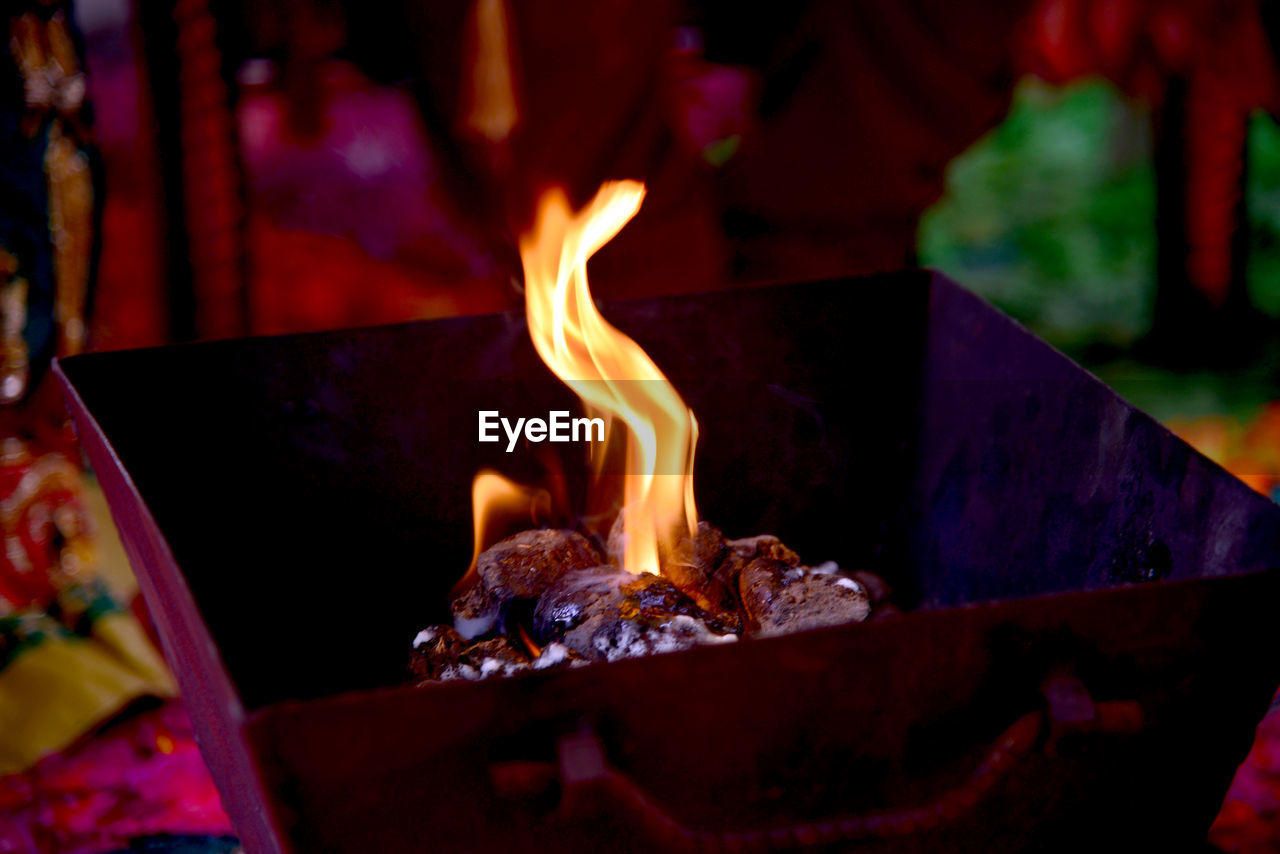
1264 213
1051 215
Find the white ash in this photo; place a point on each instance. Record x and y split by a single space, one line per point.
500 667
555 654
488 667
426 636
435 649
475 612
440 654
475 627
551 655
631 639
458 672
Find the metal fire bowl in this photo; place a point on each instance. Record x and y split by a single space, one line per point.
1089 643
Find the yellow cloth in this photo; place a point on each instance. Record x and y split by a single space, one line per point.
55 690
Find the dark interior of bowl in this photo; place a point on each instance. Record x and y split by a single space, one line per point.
315 490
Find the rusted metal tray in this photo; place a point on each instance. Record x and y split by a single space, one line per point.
1088 647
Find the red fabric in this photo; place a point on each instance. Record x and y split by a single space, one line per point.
1140 44
30 532
141 776
1250 819
1219 47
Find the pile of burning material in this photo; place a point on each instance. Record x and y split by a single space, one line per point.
550 598
663 581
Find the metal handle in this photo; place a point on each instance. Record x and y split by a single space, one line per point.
591 787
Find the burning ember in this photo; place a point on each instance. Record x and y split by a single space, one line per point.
661 580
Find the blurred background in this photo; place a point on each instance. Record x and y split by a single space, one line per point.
1106 171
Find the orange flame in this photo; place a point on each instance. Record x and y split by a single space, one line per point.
612 375
496 505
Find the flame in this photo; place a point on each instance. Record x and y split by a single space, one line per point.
529 643
496 504
612 375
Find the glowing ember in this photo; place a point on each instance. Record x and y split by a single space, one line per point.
612 375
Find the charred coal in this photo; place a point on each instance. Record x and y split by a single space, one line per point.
605 613
549 598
